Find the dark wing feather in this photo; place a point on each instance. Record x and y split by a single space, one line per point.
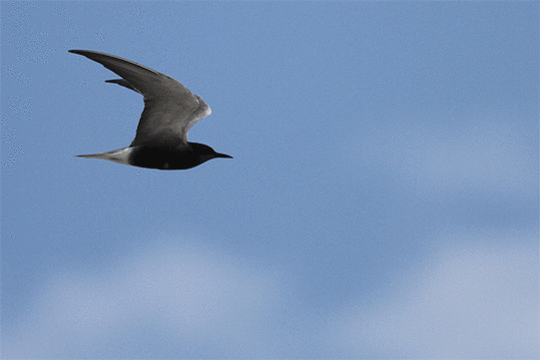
123 83
170 109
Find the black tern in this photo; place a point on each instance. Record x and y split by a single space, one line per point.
170 110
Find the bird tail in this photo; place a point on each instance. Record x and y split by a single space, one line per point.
121 156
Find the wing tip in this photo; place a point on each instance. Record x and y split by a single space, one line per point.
78 52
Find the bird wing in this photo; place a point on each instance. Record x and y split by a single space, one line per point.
170 109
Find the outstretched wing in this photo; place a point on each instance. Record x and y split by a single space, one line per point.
170 109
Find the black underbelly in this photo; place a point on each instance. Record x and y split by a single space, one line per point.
164 158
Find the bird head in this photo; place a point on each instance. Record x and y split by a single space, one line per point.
205 152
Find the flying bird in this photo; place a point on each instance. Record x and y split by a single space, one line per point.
170 110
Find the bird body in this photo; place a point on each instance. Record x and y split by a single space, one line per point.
170 110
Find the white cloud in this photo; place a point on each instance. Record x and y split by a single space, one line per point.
492 159
185 294
482 156
477 300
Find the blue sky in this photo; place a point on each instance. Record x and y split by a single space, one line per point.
382 201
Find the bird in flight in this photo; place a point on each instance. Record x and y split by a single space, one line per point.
170 110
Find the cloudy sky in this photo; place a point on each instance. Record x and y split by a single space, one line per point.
382 201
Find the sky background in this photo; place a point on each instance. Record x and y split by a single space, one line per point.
382 201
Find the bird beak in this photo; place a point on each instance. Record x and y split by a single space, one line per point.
223 156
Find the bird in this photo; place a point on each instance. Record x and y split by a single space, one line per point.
170 110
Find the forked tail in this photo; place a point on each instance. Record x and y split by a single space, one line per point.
120 156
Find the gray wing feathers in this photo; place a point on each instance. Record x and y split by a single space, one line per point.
123 83
170 108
